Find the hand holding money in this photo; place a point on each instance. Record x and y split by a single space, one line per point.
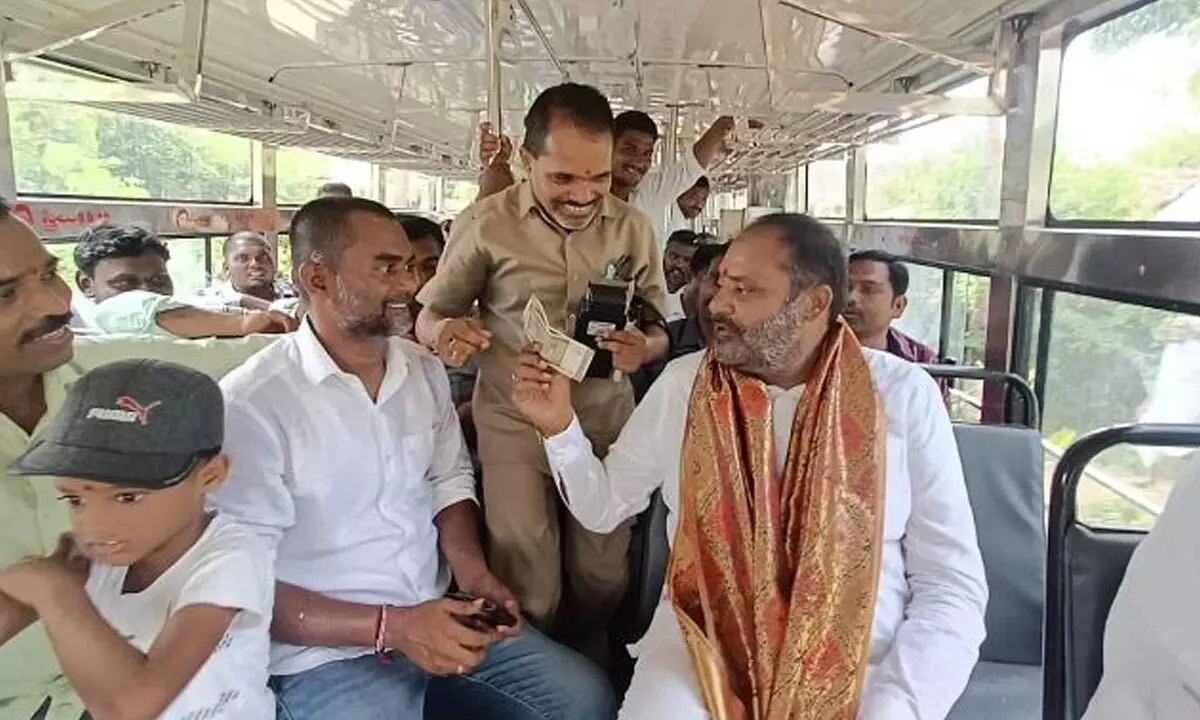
562 352
542 393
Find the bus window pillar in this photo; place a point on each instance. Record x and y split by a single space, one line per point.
8 172
266 189
1024 185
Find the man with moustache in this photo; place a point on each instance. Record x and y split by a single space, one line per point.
252 282
347 459
39 359
823 548
550 236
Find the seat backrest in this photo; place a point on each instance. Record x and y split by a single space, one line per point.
649 551
1003 467
1093 563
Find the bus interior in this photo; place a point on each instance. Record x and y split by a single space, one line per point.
1036 163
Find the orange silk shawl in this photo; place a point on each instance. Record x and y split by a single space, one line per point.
773 576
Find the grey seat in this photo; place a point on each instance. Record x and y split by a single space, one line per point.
1002 466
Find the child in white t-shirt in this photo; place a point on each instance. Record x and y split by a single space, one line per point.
154 607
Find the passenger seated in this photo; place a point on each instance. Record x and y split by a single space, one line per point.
677 259
253 283
815 496
348 460
40 359
428 243
335 189
879 297
1152 640
122 269
154 607
692 332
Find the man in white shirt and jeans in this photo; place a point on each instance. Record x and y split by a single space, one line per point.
823 548
348 459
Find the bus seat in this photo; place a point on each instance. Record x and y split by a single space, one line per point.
1002 466
1094 561
1086 566
649 551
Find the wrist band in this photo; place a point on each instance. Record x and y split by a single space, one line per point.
381 649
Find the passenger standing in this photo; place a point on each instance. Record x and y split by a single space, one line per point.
635 135
689 206
549 236
348 460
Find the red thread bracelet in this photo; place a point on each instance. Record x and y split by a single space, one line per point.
381 649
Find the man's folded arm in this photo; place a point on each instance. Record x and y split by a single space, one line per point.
602 495
937 644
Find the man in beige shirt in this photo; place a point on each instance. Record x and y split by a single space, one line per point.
549 236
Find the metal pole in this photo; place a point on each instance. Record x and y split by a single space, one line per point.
671 143
8 173
270 194
495 87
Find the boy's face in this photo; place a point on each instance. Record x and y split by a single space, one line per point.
120 526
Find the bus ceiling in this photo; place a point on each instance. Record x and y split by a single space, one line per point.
407 81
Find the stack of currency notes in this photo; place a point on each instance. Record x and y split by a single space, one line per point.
567 355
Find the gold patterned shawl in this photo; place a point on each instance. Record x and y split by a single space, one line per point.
773 575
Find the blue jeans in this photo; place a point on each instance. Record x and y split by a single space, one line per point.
524 678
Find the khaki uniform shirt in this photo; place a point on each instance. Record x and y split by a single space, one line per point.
501 250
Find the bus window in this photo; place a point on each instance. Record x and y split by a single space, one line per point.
65 149
923 317
945 170
827 188
301 173
1113 363
1128 138
968 334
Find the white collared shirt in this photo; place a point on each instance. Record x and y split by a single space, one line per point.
343 488
661 187
1151 661
932 590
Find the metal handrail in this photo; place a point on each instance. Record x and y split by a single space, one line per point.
1058 697
1012 380
1117 487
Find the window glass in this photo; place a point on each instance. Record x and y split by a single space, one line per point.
65 149
946 170
301 173
965 344
827 188
1128 138
1112 363
922 318
408 190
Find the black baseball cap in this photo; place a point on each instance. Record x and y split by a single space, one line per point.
140 423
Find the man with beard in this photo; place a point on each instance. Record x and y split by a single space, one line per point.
690 204
552 236
824 551
39 360
347 458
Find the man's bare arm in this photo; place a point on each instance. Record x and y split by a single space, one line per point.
711 144
303 617
193 322
14 618
494 179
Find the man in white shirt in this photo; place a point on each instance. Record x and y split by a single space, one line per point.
856 566
1151 666
348 460
252 283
